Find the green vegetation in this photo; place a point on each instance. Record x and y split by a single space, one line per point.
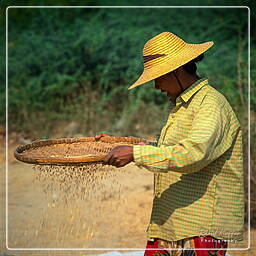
76 64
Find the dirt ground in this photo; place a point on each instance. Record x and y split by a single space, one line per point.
39 220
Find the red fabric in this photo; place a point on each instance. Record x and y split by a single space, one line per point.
209 242
199 242
154 251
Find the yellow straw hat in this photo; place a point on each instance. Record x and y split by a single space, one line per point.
165 53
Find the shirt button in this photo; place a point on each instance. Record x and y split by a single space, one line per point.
158 194
173 116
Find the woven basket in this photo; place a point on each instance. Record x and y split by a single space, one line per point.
71 151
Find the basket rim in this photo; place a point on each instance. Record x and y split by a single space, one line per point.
18 153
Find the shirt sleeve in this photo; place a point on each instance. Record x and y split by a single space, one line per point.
208 139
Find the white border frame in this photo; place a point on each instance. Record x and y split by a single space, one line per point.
249 124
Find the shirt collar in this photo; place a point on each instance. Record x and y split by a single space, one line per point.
191 90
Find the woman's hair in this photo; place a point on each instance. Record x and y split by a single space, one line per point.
191 66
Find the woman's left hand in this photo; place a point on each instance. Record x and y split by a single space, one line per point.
120 156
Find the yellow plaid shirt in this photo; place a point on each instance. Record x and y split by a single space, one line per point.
198 169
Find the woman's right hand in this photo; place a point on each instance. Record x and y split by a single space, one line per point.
99 136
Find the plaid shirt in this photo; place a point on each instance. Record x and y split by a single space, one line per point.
198 169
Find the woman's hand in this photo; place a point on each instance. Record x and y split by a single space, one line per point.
120 156
98 136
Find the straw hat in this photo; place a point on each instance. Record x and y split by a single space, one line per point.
165 53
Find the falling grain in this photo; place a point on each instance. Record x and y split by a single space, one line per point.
75 195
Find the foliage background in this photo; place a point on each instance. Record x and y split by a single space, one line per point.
69 69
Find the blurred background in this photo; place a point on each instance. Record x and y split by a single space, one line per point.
69 68
75 65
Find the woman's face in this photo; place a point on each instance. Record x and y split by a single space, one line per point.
169 85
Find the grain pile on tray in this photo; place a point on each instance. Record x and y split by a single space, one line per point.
73 151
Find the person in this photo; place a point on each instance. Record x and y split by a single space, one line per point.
198 204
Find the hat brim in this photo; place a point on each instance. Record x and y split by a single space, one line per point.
188 53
